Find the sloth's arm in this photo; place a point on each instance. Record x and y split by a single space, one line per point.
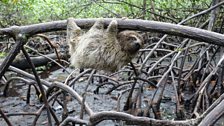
112 28
72 29
98 25
73 32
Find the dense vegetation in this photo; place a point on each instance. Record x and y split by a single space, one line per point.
21 12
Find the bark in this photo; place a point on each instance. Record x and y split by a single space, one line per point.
214 115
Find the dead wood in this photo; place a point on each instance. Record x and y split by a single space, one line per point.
37 61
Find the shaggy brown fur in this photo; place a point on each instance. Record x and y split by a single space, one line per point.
102 49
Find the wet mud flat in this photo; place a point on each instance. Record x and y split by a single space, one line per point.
16 102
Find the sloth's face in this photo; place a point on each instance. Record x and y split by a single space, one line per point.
130 41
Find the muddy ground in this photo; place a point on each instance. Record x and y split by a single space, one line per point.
16 101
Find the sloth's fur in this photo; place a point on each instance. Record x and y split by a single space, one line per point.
102 49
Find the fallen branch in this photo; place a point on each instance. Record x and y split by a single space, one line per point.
113 115
37 61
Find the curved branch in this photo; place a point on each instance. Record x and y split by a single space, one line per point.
113 115
74 94
131 24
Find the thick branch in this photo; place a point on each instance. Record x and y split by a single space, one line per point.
37 61
214 115
112 115
11 56
132 24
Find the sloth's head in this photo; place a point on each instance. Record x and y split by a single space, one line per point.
130 41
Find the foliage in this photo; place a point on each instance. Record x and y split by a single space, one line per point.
21 12
2 54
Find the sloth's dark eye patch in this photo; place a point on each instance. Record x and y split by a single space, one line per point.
131 38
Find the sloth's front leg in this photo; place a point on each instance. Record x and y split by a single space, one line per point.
112 28
73 33
98 25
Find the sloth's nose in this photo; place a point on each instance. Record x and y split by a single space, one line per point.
137 46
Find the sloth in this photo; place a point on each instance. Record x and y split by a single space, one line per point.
100 48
